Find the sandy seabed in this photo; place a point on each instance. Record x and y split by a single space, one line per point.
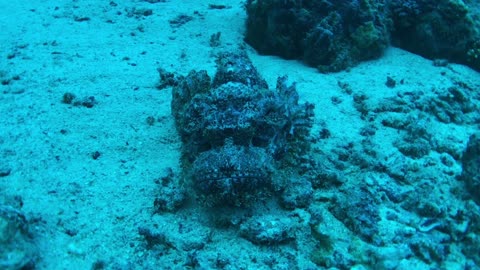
88 208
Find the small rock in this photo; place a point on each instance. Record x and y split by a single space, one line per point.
75 250
390 83
268 230
68 98
298 194
5 172
171 195
17 243
96 155
87 102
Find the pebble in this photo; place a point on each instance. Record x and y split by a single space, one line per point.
75 250
5 172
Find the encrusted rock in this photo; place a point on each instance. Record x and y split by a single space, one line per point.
337 34
268 230
471 166
17 247
171 195
330 35
298 194
358 210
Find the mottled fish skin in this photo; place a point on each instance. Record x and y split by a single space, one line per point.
235 129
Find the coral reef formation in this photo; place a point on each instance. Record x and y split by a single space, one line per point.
334 35
236 131
330 35
440 29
